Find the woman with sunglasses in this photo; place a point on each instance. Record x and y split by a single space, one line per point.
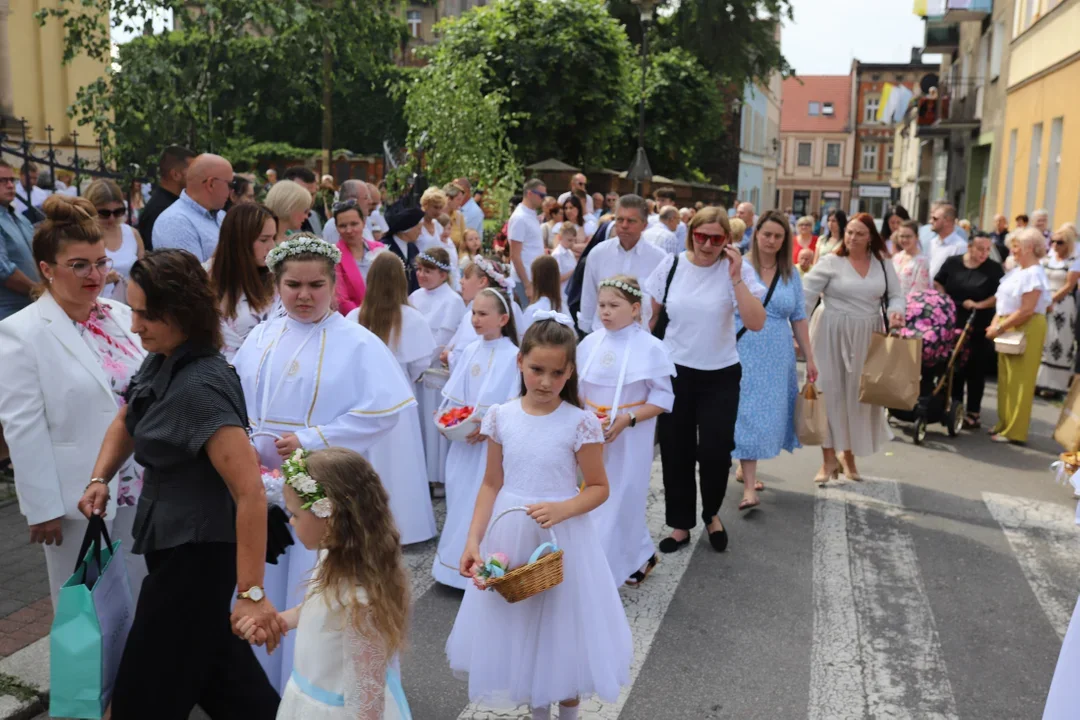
123 244
68 360
1055 372
699 292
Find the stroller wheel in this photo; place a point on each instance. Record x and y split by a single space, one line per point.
918 432
956 419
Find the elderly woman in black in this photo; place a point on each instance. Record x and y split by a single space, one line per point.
201 520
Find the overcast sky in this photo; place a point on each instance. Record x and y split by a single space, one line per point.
827 34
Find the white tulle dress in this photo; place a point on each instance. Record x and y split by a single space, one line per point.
567 642
1063 702
339 672
630 368
443 309
490 366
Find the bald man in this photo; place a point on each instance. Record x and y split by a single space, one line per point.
745 212
578 183
192 222
376 220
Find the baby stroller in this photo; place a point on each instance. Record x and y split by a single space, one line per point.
932 316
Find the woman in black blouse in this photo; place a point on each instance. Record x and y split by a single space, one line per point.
971 280
201 520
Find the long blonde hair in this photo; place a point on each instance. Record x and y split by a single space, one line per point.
387 290
363 546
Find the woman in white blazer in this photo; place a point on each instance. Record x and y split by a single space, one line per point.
67 359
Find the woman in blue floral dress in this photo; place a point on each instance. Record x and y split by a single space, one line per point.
770 383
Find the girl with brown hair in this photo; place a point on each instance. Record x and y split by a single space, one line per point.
546 290
242 283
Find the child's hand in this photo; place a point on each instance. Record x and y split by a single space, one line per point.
470 561
549 514
475 437
249 630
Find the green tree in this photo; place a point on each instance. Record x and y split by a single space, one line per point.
564 68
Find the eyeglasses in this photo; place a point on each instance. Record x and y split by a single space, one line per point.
7 180
716 240
344 205
117 213
538 193
227 181
82 268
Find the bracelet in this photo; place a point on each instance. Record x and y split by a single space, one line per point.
735 285
96 480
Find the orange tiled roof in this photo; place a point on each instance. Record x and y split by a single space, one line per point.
799 92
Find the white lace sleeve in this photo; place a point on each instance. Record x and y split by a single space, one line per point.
365 673
488 426
589 431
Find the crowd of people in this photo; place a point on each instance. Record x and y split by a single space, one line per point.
342 341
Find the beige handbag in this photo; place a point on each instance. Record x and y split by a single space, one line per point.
1012 342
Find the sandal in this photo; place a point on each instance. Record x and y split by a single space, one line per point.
971 422
748 504
758 485
639 576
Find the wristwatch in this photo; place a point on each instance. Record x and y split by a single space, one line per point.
633 419
253 593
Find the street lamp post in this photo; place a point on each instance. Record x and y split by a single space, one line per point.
639 169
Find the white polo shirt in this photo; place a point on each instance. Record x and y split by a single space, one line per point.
608 259
524 227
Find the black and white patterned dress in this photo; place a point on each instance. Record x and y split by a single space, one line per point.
1059 350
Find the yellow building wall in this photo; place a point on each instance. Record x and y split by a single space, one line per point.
42 86
1043 100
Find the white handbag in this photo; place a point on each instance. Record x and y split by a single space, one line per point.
1012 342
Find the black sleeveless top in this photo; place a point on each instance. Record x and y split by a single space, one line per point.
175 405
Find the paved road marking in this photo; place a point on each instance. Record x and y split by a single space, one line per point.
1046 541
875 650
645 610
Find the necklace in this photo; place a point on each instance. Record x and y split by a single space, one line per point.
769 267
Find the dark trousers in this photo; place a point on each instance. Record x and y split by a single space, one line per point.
973 374
698 433
181 650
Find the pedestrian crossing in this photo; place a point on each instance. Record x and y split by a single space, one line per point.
876 648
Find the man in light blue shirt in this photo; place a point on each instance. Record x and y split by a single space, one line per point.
745 212
471 210
191 223
17 266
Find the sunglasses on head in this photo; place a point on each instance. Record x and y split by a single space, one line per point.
716 240
117 213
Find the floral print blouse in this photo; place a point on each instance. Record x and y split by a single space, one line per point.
913 270
120 359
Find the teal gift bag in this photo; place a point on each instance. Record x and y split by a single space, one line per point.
93 616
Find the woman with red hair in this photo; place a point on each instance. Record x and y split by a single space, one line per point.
857 288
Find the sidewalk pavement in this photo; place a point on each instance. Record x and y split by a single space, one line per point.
25 607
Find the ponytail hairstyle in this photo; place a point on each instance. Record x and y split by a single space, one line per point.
504 305
387 290
546 281
552 333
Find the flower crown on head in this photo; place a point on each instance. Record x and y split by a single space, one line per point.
312 496
623 286
432 261
302 244
506 283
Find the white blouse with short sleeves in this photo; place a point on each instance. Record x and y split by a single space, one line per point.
1019 282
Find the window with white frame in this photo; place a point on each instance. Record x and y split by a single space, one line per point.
997 47
815 109
827 109
870 110
1053 165
805 154
832 155
1034 163
413 18
888 157
869 157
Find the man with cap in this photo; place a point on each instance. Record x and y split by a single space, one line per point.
401 239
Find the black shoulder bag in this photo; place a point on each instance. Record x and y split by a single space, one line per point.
662 319
768 297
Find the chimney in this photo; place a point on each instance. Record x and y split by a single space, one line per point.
916 56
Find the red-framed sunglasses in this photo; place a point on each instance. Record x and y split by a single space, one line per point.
717 240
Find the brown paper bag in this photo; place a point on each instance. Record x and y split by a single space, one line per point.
890 377
1067 431
811 423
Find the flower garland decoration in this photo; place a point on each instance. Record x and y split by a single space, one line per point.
619 284
302 244
505 282
432 261
311 494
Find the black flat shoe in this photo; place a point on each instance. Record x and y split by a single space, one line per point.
669 544
718 540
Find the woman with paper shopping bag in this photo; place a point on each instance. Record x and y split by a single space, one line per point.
857 287
1018 332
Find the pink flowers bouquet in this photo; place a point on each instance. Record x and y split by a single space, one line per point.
496 565
932 316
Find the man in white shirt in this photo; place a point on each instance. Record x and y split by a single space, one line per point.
351 190
526 238
375 218
598 205
26 189
663 233
665 198
578 183
625 254
946 242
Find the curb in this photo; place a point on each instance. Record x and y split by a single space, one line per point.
27 673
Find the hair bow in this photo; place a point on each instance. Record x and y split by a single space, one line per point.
552 315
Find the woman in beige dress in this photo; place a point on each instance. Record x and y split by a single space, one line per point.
854 284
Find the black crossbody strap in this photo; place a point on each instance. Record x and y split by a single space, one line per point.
768 297
670 277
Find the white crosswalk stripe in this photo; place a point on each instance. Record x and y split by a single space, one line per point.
875 648
645 610
1046 541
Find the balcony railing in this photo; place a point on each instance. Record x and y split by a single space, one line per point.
958 11
941 37
950 107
